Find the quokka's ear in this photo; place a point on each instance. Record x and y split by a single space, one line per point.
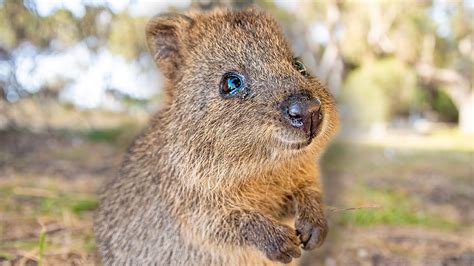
164 34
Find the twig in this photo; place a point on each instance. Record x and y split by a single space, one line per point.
336 209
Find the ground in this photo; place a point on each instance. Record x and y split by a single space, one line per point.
422 188
412 197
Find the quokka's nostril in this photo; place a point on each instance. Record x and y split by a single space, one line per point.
300 112
314 106
296 110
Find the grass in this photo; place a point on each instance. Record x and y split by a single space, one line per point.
448 139
6 256
106 135
46 200
402 180
47 219
113 135
84 205
19 245
396 208
41 245
118 133
76 204
396 163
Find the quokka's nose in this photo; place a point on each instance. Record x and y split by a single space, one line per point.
303 112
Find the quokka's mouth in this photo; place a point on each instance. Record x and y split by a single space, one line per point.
300 145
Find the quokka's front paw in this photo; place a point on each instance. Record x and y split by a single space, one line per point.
311 231
283 244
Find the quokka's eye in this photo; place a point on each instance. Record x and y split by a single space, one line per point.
232 83
300 67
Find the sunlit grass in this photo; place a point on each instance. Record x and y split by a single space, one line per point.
401 178
396 208
444 139
373 160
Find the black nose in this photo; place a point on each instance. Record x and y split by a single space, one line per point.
303 112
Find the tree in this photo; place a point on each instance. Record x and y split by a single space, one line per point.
442 60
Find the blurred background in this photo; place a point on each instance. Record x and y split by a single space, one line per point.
77 84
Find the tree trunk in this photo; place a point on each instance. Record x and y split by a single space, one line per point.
466 114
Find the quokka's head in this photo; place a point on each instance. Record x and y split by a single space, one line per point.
236 94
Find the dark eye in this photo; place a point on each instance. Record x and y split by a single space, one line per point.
232 83
300 67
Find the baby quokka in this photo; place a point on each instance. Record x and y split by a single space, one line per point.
232 153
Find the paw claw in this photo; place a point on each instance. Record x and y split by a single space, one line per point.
312 234
285 246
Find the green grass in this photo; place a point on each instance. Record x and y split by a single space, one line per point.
396 208
115 135
54 203
106 135
41 245
73 203
84 205
112 135
31 204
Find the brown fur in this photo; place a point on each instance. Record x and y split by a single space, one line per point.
211 179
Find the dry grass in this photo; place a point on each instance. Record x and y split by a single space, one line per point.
43 219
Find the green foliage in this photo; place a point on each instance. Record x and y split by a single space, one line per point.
379 90
440 102
8 36
62 26
124 34
354 46
365 36
445 107
127 36
407 40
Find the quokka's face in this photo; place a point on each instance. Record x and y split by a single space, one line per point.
241 94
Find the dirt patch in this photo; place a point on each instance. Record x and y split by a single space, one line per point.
56 154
